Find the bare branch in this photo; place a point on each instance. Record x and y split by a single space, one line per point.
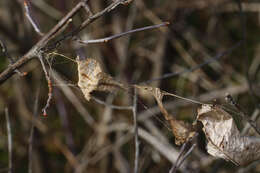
8 72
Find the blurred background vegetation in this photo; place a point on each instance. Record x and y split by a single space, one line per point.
81 136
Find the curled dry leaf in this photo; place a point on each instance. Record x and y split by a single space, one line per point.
91 78
182 131
224 139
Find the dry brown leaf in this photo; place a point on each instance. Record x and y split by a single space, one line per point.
91 78
224 139
182 131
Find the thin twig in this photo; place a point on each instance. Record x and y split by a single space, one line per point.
182 150
11 60
62 110
183 154
174 168
165 149
183 98
5 52
243 114
106 39
253 117
170 105
136 131
29 15
40 56
9 136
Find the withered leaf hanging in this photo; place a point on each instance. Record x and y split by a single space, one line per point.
91 78
182 131
224 138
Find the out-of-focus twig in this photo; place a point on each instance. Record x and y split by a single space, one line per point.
30 150
210 60
253 118
66 152
11 60
5 52
74 100
166 150
47 9
112 106
136 131
10 143
63 114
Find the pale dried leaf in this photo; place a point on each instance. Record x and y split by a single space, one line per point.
91 78
224 139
